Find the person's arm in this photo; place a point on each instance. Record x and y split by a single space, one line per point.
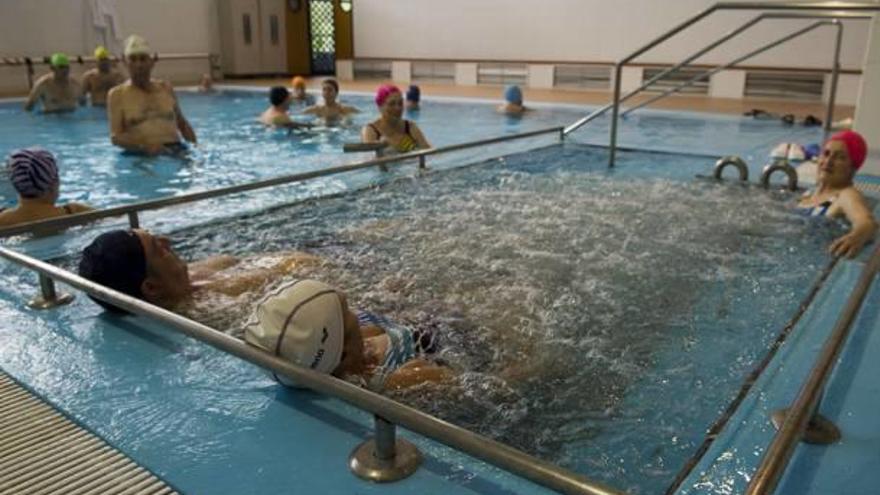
347 109
415 372
80 91
79 207
864 227
421 140
183 126
313 110
35 94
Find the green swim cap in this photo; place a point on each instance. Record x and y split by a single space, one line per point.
59 60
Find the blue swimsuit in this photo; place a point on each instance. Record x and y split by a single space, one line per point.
404 343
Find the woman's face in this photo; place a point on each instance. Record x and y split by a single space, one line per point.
835 167
392 108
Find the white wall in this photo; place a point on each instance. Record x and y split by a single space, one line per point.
580 30
39 27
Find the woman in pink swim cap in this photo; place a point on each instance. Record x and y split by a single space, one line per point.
401 135
835 195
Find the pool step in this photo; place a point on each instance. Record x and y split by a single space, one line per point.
43 452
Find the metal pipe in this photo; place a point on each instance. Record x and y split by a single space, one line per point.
491 451
90 216
133 220
612 146
168 56
386 438
573 127
711 72
835 70
778 454
47 288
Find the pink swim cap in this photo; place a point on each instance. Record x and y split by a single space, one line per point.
855 144
384 92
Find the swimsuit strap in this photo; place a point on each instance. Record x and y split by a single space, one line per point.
375 129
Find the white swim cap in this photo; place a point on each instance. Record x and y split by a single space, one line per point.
301 322
135 45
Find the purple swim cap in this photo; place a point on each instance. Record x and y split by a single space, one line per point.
32 171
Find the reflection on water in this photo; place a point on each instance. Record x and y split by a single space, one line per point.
596 322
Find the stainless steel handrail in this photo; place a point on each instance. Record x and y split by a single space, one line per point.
804 407
834 7
484 448
133 209
829 114
730 35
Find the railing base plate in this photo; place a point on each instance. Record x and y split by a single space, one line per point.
364 463
40 302
820 430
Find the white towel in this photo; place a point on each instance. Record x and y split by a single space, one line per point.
105 15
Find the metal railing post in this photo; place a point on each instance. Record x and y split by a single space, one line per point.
615 109
133 220
385 457
49 298
835 72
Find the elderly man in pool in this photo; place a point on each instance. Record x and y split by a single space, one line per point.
56 91
362 346
143 112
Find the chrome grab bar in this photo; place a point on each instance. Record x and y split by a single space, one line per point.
780 165
731 161
592 116
471 443
804 407
832 10
829 112
132 209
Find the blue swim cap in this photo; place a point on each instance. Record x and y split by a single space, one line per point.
413 93
513 94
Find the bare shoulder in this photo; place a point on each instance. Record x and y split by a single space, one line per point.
118 91
79 207
852 195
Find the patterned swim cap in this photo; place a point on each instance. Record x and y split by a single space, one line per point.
32 171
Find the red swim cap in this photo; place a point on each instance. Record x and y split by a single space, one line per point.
855 144
384 92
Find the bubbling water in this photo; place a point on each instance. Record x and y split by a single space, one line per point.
557 294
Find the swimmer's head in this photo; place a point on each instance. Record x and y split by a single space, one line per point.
384 91
299 86
33 173
329 90
60 65
206 83
855 145
138 59
303 322
413 94
136 45
390 101
136 263
102 58
59 60
279 96
101 53
512 94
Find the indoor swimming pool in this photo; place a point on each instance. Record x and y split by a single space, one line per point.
600 319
